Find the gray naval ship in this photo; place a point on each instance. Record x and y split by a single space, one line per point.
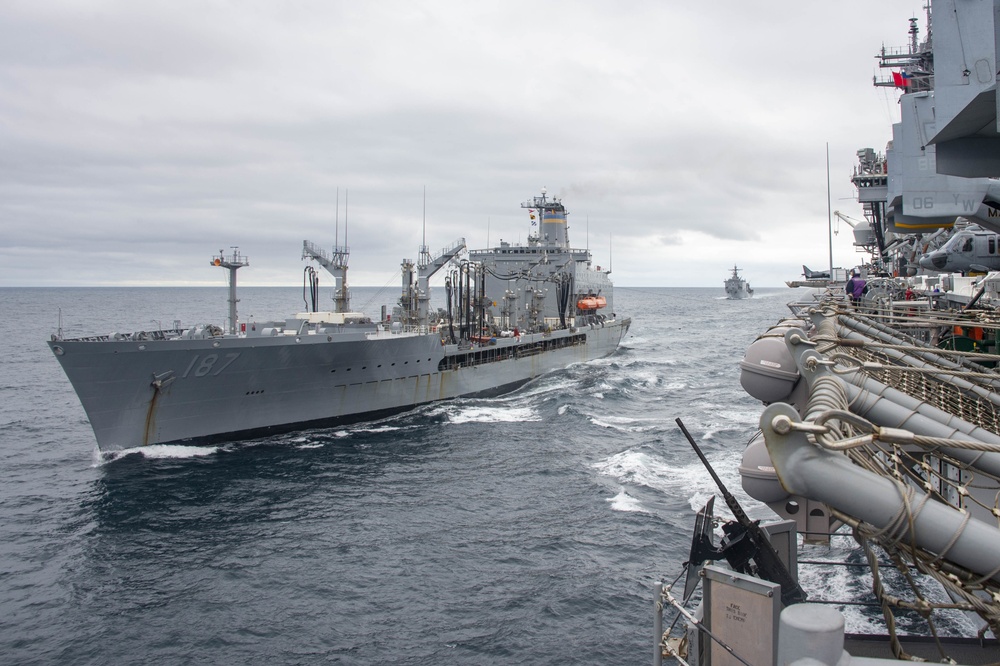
514 312
737 287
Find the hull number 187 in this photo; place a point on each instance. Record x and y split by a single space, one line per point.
210 364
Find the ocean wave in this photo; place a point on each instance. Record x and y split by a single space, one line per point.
625 502
486 413
159 452
379 428
626 423
644 469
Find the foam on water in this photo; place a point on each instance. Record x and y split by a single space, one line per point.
643 469
627 424
489 414
710 430
731 416
558 382
625 502
698 500
375 429
160 452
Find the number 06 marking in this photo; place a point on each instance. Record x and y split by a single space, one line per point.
207 364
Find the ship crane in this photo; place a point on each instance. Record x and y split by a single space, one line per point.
419 294
336 266
864 235
849 220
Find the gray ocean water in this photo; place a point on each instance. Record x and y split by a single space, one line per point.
526 529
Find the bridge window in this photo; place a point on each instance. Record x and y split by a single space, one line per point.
993 245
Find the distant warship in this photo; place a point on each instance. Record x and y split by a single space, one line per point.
737 287
514 312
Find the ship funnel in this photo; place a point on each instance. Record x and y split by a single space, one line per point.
554 226
552 231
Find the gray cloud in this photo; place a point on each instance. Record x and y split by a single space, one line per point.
136 139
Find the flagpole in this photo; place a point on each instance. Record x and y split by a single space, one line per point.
829 208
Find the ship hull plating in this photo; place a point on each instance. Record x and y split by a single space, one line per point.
138 393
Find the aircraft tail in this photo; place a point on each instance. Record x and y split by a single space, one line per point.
810 275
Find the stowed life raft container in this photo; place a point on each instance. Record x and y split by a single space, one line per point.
591 303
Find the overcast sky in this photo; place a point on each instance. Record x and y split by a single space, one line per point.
139 138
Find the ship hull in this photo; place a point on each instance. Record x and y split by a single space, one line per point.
738 290
138 393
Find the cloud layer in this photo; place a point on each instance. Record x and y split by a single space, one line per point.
137 139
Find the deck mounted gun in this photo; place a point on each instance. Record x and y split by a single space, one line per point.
745 546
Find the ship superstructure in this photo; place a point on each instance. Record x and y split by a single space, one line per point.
545 283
